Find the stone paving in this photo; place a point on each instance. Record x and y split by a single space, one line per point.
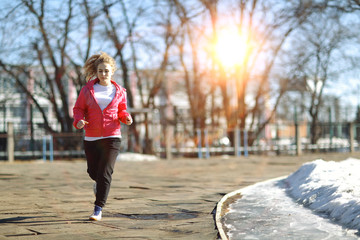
148 200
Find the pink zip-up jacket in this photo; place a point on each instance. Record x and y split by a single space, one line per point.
101 123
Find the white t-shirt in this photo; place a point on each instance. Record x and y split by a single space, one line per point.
104 95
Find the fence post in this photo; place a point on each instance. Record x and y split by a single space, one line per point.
298 140
351 135
246 153
297 134
331 130
168 141
51 148
44 148
207 154
10 142
199 143
237 142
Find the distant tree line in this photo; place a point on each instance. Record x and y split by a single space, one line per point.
296 50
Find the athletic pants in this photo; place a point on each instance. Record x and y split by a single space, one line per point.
101 157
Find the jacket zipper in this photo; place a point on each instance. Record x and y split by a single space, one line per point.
102 114
102 111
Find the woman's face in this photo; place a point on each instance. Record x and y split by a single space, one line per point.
104 73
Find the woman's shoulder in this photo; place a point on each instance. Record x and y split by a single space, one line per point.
118 87
89 85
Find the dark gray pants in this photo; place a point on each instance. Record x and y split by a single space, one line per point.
101 157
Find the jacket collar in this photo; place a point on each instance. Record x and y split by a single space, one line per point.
91 84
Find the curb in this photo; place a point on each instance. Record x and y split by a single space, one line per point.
223 203
219 210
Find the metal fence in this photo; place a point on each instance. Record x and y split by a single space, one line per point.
172 141
278 139
39 145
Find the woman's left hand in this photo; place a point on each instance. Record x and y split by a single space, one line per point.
129 120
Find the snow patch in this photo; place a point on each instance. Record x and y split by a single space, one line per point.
136 157
329 188
320 199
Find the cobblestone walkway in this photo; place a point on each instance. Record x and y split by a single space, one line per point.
148 200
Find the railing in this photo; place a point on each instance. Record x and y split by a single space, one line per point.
169 142
19 145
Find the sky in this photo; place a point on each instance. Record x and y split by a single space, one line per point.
345 88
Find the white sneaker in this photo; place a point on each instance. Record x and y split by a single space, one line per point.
97 214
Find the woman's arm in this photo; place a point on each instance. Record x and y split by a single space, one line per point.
79 110
123 115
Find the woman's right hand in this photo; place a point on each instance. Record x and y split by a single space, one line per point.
81 124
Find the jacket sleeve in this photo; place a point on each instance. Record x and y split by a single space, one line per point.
79 109
122 113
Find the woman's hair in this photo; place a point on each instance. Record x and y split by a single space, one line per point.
90 67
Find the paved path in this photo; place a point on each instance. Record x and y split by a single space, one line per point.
148 200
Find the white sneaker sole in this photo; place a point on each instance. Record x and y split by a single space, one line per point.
95 218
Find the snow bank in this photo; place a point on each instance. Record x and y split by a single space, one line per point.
136 157
329 188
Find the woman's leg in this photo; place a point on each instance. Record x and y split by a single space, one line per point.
110 148
93 154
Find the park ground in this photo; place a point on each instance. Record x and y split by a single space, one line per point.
165 199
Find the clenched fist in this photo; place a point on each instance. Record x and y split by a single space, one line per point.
81 124
129 120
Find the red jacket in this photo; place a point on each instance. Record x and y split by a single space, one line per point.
101 123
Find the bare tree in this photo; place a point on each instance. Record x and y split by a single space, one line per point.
149 38
212 8
125 37
268 25
345 6
266 40
19 73
49 30
90 13
198 81
320 59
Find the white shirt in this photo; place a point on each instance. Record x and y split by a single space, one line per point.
103 95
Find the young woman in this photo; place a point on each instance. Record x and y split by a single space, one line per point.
99 109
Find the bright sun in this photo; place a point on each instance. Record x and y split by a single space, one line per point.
230 48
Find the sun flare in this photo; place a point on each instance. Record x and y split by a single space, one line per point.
230 48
